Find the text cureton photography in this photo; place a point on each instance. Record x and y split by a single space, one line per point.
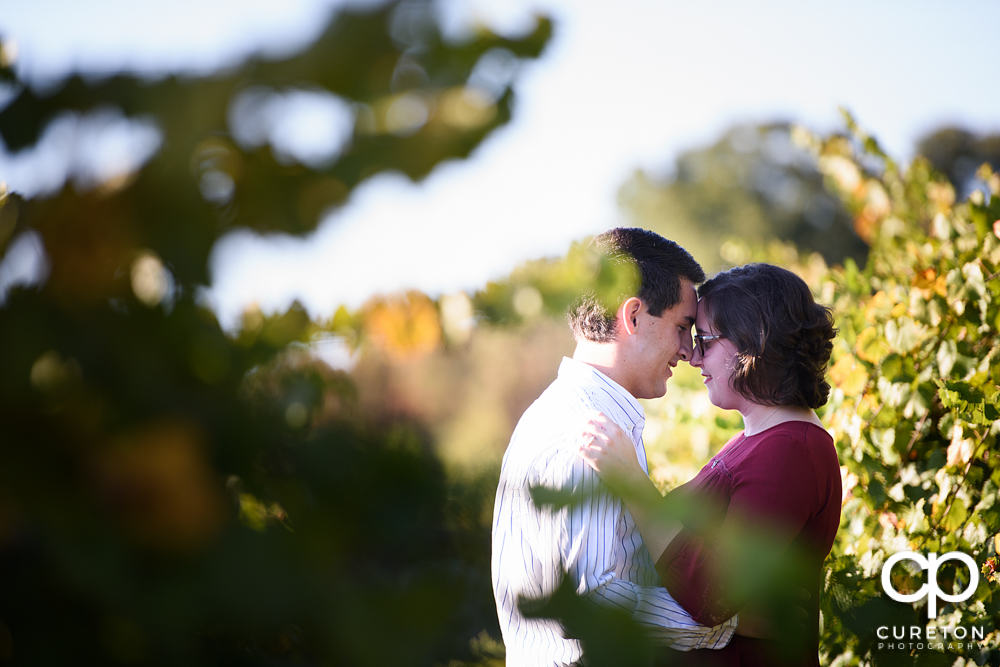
915 637
929 637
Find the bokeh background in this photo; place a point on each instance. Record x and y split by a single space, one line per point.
278 279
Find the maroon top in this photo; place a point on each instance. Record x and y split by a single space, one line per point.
782 485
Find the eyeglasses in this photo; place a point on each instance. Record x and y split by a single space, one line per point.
699 341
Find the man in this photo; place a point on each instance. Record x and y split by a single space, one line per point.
620 356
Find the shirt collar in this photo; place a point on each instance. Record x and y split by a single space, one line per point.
580 372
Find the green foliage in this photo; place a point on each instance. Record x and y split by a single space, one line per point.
914 409
609 636
754 183
172 494
957 153
550 286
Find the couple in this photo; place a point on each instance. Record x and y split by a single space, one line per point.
703 569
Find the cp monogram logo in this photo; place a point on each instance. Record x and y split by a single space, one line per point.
930 589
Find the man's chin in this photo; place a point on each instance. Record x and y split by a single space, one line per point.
659 392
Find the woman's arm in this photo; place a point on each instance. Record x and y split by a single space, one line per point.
611 453
779 486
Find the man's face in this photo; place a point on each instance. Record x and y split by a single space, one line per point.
661 342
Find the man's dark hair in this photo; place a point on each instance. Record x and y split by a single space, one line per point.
782 336
660 265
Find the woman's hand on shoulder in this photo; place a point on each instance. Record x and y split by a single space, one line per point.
610 452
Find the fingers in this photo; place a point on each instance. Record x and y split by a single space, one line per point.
596 435
599 423
598 427
593 442
593 430
587 455
598 419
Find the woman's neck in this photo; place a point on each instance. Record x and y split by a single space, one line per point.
757 418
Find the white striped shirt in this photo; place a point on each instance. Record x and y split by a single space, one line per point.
594 540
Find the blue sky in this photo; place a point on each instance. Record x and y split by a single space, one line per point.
624 86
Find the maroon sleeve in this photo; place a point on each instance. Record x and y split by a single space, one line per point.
776 488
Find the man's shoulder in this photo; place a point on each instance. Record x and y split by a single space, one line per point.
552 423
560 407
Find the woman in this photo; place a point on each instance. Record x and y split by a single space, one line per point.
761 516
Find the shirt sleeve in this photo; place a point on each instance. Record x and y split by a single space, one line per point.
772 497
584 532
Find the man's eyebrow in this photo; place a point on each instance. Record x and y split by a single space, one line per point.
689 320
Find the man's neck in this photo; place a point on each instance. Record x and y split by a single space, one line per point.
605 357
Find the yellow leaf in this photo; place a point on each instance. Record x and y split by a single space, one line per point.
868 346
404 327
925 279
848 375
875 310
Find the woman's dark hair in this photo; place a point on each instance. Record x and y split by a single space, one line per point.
782 336
660 265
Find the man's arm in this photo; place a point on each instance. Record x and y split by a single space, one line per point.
584 533
612 454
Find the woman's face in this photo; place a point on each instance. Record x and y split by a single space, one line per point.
716 364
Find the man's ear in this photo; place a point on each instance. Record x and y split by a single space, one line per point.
630 314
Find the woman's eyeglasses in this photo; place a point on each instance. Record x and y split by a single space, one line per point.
700 339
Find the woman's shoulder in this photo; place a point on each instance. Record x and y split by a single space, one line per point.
796 444
800 430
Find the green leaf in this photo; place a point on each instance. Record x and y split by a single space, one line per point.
974 279
903 334
877 492
892 367
915 517
947 355
974 404
956 516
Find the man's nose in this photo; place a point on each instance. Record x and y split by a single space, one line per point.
686 352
